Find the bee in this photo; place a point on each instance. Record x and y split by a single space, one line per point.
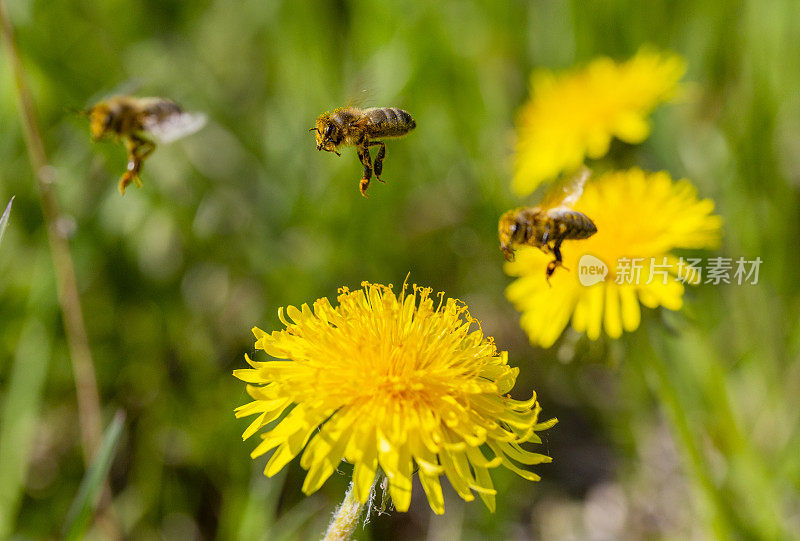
134 120
548 225
350 126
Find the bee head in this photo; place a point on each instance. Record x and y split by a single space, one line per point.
509 231
100 119
329 133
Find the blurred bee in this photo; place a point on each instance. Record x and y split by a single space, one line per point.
350 126
133 119
548 225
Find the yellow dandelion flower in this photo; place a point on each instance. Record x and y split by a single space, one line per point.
390 381
576 114
640 218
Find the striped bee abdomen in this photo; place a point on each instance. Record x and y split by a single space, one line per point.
573 224
388 122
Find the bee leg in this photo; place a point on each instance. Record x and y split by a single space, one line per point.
139 149
554 264
378 158
142 148
557 253
363 155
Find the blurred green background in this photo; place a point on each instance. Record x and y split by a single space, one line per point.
246 216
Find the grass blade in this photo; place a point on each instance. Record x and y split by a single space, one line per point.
20 411
86 499
4 219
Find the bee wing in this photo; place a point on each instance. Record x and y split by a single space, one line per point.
568 191
175 126
360 100
360 93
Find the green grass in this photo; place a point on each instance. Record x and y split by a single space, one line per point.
86 501
4 218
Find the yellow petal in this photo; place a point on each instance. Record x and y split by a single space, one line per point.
631 314
248 375
433 490
525 474
597 143
488 496
522 456
258 333
460 484
324 453
363 478
613 320
400 480
631 128
287 451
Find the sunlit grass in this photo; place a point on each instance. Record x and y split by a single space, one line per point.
4 218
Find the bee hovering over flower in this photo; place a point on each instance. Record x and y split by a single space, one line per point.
350 126
135 119
548 225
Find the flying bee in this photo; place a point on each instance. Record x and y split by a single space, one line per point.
350 126
548 225
135 119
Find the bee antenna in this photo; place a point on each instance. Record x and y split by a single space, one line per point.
312 129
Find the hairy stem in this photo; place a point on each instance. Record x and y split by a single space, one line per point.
345 519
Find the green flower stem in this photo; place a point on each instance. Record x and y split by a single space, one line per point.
655 372
749 470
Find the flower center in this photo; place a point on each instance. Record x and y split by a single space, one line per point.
398 384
